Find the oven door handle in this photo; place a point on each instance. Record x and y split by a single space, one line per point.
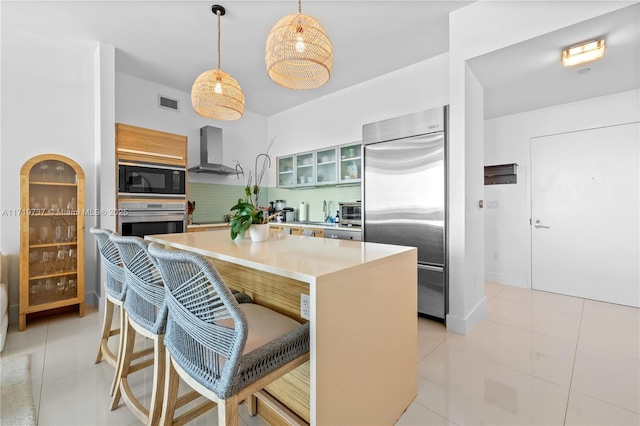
151 217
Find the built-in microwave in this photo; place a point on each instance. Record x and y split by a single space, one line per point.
146 179
351 213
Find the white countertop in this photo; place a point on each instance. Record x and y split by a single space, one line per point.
293 256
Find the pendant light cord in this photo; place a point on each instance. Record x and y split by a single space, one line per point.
218 14
299 6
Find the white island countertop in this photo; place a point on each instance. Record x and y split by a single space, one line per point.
300 258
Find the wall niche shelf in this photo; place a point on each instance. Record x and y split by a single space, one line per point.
500 174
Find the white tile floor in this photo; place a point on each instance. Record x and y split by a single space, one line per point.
538 359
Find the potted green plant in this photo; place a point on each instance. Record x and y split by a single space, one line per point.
247 211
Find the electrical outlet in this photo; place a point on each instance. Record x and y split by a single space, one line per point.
496 256
305 309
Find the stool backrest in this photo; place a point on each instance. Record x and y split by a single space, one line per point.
111 262
206 330
145 298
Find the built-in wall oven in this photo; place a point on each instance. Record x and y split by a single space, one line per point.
152 217
151 180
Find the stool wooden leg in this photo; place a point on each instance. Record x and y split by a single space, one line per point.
159 365
228 411
115 382
125 363
171 383
106 327
252 405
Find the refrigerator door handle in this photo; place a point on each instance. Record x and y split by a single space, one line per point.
431 268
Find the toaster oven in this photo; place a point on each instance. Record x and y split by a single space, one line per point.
350 213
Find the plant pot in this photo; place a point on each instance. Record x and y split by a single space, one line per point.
242 236
259 233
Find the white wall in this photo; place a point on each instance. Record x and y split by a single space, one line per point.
47 107
507 229
137 105
338 118
477 29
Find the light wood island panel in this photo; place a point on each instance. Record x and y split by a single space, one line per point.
363 355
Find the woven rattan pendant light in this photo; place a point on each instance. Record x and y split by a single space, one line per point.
215 94
299 54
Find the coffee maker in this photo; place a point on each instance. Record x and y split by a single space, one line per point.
280 205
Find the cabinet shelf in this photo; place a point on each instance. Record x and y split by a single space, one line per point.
500 174
52 275
43 306
41 212
54 183
46 245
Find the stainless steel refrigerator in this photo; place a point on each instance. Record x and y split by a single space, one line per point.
405 197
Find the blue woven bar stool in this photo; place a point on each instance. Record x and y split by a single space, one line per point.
115 290
224 350
145 314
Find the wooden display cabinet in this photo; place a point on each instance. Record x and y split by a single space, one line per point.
51 235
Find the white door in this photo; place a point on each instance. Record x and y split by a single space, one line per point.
585 214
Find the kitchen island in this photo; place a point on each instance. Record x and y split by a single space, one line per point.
362 310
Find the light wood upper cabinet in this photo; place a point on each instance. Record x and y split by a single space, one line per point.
151 146
51 235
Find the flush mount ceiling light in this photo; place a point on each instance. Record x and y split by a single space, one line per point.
299 54
215 94
583 52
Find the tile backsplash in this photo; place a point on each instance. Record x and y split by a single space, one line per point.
214 200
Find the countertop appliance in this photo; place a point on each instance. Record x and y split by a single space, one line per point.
350 213
150 180
288 214
405 197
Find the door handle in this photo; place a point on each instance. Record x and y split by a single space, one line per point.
538 226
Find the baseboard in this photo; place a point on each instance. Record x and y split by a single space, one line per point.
507 279
464 325
92 299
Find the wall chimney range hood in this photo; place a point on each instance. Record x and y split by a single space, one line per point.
211 153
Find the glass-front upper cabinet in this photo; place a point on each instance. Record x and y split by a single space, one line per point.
286 177
326 166
305 172
350 163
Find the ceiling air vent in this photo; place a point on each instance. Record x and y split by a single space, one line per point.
168 103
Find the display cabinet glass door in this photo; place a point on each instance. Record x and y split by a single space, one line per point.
286 172
350 163
326 166
305 169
